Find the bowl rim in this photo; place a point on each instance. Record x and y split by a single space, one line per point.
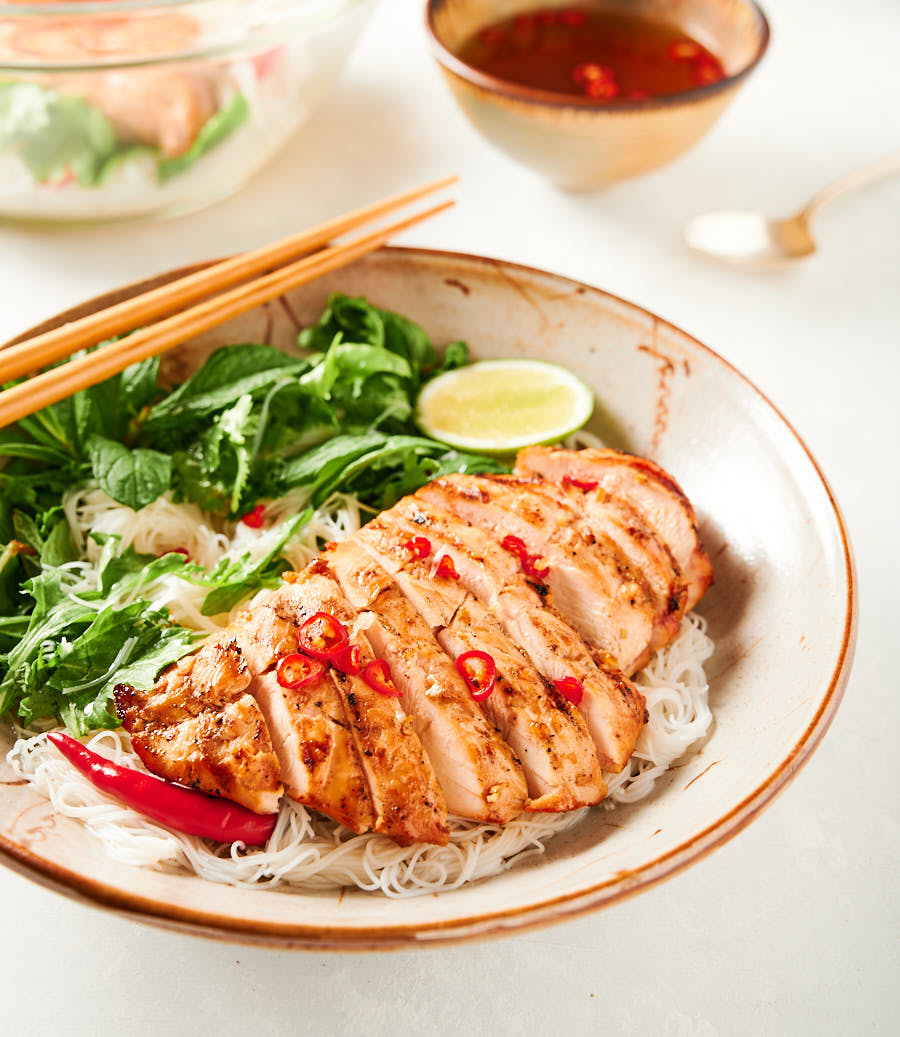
554 910
237 41
510 90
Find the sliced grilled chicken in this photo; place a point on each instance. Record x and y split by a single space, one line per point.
546 732
477 771
198 726
320 766
612 707
436 601
407 800
594 589
645 485
308 726
618 530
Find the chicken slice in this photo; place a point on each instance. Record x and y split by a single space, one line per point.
477 771
620 529
612 707
593 588
308 726
319 763
435 600
406 798
198 726
546 732
645 485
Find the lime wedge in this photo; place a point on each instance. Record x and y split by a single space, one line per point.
498 406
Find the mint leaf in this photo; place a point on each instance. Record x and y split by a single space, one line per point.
134 478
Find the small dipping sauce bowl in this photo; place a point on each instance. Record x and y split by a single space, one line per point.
578 142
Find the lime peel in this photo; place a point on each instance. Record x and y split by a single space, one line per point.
499 406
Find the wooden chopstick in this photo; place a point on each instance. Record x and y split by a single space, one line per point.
45 389
43 350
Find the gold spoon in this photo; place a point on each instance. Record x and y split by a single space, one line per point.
751 239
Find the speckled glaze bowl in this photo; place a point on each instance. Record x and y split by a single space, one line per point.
782 613
579 143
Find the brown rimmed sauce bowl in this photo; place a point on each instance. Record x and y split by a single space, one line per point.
580 143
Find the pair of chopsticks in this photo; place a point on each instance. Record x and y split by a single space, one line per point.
261 275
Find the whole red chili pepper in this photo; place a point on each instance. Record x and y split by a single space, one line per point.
322 636
295 670
418 547
446 568
479 671
347 660
570 688
378 676
184 809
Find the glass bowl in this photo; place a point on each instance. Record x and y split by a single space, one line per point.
117 109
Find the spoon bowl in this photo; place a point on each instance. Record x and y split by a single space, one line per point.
750 238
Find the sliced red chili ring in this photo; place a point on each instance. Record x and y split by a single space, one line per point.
347 660
570 688
479 671
590 70
181 551
515 546
254 519
582 484
322 636
602 89
684 50
534 570
446 568
296 670
418 547
378 676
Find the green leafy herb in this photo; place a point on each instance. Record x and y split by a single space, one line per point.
131 477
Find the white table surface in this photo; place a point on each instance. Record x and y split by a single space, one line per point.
792 928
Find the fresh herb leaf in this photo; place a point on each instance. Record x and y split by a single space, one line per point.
134 478
232 580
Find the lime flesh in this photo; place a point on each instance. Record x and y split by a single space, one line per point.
498 406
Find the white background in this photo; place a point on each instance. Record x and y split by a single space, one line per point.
793 927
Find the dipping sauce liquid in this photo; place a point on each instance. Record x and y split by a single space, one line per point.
602 55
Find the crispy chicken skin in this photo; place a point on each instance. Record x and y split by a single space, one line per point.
478 772
198 726
406 797
643 484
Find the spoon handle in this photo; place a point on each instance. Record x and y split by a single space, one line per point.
859 178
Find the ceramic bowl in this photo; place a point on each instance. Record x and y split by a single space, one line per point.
579 143
782 613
